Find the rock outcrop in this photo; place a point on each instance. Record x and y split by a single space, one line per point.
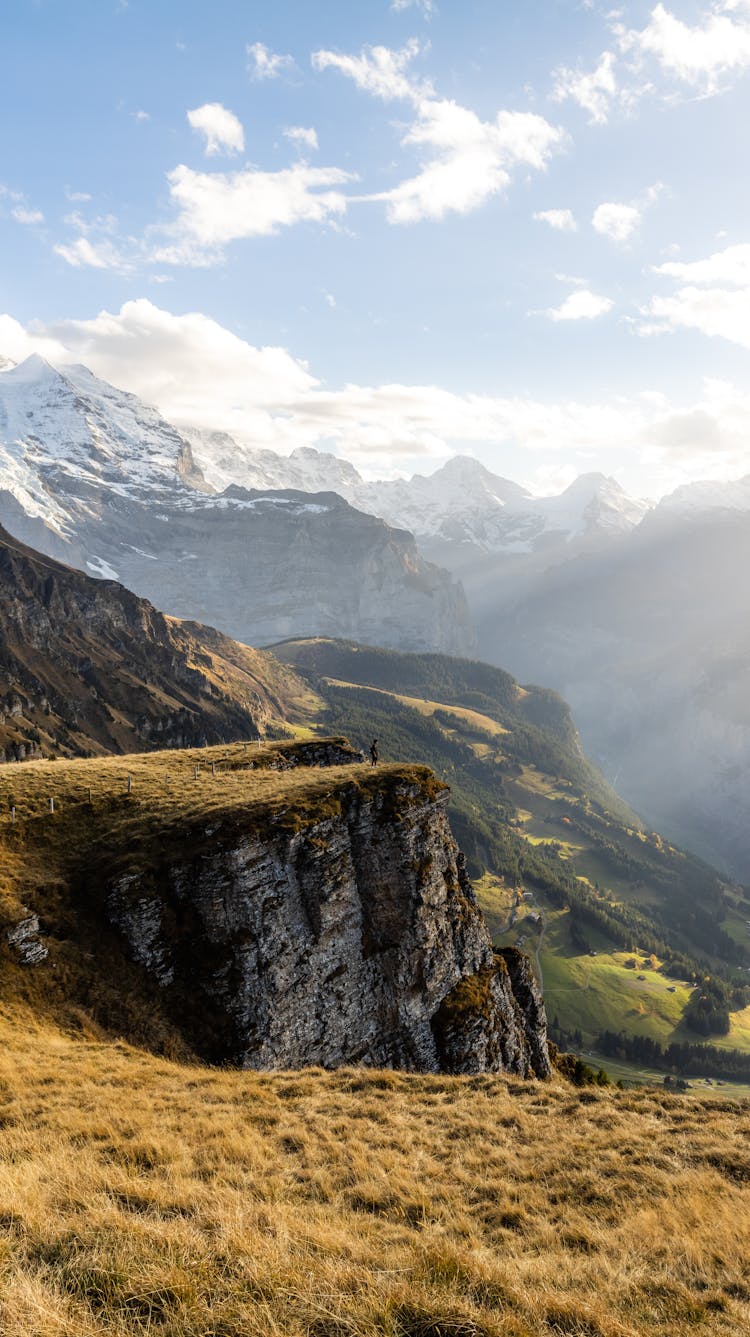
494 1021
348 933
25 941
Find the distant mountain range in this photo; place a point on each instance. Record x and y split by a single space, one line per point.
462 502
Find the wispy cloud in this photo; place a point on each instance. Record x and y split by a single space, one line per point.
265 64
216 208
303 136
714 299
27 216
20 209
562 220
427 6
593 91
467 159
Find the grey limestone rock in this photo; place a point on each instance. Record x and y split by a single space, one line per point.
25 940
494 1021
333 943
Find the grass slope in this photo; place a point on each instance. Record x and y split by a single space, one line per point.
562 866
141 1196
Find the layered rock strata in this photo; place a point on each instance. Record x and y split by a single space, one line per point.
341 934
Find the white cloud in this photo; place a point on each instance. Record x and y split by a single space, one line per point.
217 208
24 215
330 300
581 305
265 64
470 159
562 220
616 221
716 312
379 70
303 136
427 6
98 245
21 211
141 116
704 304
729 266
198 372
701 55
85 254
593 92
221 129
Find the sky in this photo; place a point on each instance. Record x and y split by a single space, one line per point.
396 229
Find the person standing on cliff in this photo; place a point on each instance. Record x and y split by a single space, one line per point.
374 752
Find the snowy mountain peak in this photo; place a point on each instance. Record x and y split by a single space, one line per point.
67 434
466 472
692 499
6 363
592 503
35 369
321 467
592 483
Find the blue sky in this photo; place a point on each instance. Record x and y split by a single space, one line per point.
394 230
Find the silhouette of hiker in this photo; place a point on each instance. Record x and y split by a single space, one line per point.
374 752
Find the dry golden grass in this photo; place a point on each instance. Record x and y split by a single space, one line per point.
142 1196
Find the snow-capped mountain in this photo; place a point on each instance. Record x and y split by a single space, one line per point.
462 502
694 499
64 435
225 463
93 476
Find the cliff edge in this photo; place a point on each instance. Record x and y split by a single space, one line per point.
287 907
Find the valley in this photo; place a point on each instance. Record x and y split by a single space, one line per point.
627 921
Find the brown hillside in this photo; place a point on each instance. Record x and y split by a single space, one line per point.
87 668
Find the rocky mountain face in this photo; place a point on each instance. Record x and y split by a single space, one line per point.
95 478
87 667
304 910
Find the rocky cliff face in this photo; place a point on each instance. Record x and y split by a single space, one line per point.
349 935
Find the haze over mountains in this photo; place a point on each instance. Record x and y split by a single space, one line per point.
634 612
